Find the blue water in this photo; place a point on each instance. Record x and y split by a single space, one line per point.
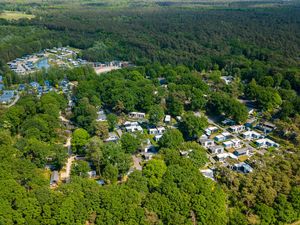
43 64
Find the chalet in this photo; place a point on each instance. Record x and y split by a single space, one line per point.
227 79
241 152
134 128
54 179
218 149
153 131
242 167
266 127
250 135
220 137
265 143
227 135
101 115
250 122
236 143
208 173
211 130
157 131
167 119
206 143
223 156
228 144
157 137
137 115
161 130
112 137
237 128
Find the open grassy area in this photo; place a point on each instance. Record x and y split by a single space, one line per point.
15 15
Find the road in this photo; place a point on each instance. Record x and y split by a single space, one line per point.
66 171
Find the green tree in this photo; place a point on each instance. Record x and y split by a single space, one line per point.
192 126
112 120
172 138
110 173
154 171
156 114
130 143
80 138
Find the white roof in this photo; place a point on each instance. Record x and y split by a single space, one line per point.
168 118
220 136
226 134
227 142
212 128
225 155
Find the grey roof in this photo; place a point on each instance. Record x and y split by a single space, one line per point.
54 177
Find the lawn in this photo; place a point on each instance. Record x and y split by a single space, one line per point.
15 15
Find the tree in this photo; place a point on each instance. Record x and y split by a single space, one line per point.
175 106
101 129
156 114
154 171
112 120
80 168
94 152
192 126
172 138
130 143
110 173
79 140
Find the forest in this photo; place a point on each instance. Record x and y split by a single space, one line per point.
180 51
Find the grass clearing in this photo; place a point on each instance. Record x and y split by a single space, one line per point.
15 15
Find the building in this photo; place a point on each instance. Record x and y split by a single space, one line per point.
227 135
211 130
208 173
206 143
134 128
218 149
156 131
236 143
223 156
237 128
227 79
241 152
228 144
265 143
54 179
266 127
137 115
167 119
220 137
7 97
157 137
250 135
242 167
101 115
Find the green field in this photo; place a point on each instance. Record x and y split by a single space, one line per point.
15 15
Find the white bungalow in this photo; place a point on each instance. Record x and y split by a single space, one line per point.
250 135
237 128
265 143
218 149
137 115
220 137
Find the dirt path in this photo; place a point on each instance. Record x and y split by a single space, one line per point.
66 172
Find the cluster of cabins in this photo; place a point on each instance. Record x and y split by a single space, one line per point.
235 142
